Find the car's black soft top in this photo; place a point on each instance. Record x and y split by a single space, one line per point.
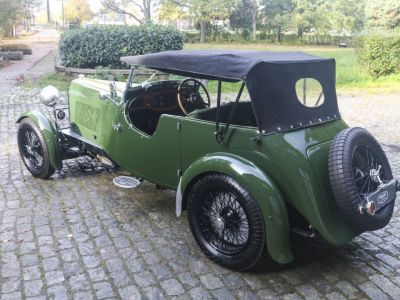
216 64
270 78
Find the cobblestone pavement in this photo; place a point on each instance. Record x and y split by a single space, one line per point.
79 237
378 113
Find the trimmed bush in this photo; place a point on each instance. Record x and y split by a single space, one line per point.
17 47
12 55
379 52
104 45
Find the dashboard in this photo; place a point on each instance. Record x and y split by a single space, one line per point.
165 100
158 96
151 101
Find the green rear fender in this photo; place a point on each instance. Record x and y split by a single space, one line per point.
49 134
261 188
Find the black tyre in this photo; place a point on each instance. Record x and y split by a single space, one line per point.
34 149
353 154
226 222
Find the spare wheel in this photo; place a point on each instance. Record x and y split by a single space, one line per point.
361 179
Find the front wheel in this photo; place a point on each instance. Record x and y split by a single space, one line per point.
34 149
226 222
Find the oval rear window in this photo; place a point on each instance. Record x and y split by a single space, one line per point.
310 92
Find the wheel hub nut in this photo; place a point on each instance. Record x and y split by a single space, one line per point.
375 175
219 224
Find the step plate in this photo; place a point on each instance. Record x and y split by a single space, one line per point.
126 182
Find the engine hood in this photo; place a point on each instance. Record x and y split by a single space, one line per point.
101 85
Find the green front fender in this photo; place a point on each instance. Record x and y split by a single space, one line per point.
49 134
261 188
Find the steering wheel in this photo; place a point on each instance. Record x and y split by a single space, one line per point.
191 94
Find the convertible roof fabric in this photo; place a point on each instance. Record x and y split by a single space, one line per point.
216 64
270 79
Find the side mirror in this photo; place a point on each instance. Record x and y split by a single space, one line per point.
49 95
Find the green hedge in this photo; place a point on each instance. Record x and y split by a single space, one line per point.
104 45
379 52
17 47
192 37
264 37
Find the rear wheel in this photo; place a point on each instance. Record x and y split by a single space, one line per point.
226 222
34 150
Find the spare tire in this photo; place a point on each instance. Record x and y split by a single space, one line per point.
353 153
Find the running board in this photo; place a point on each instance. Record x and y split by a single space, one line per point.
76 136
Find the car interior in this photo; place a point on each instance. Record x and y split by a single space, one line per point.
149 102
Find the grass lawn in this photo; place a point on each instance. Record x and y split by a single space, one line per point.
59 80
350 75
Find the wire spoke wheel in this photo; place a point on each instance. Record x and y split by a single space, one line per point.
224 223
32 149
364 160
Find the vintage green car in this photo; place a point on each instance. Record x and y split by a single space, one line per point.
249 173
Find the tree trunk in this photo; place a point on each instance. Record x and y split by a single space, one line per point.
147 16
299 33
48 12
254 20
147 11
63 15
279 34
203 26
125 16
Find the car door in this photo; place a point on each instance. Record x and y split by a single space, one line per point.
152 157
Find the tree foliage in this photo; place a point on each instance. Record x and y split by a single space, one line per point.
321 17
277 15
169 11
341 17
202 11
78 11
383 14
241 16
348 16
14 11
379 52
9 12
139 10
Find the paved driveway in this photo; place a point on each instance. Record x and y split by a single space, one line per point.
77 236
17 71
